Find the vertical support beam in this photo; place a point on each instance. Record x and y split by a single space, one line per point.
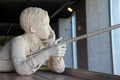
81 29
115 35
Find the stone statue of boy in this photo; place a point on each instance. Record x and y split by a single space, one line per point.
26 53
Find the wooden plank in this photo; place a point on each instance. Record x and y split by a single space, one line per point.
56 76
40 75
90 75
14 76
4 40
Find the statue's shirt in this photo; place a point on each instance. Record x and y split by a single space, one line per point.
24 48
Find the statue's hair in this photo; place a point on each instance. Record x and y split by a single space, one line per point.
32 16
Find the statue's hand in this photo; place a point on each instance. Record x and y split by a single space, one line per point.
56 49
58 40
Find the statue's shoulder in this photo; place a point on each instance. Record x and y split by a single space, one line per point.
20 38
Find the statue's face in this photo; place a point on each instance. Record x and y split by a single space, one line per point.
41 28
37 20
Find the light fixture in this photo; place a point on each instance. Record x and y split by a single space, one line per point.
70 9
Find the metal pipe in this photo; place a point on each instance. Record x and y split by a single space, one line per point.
60 9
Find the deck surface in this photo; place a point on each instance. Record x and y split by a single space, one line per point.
69 74
40 75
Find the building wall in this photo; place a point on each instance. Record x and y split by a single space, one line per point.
99 47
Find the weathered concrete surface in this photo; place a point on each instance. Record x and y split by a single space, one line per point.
99 47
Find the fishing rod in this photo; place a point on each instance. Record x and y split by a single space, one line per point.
90 34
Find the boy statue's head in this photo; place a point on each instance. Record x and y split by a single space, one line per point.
36 21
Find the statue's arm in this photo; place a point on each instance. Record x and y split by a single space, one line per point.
24 66
56 64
